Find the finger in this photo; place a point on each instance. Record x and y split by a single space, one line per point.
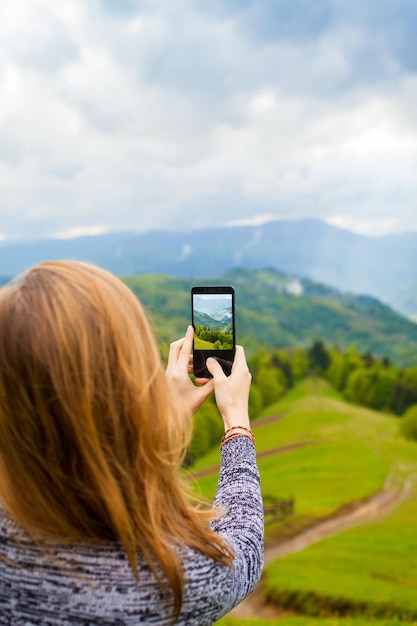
240 358
215 368
180 349
205 391
183 358
203 381
174 350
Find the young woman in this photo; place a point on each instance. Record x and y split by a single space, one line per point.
96 523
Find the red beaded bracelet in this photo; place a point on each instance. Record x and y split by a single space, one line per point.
229 434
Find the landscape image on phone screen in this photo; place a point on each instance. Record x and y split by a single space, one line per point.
213 321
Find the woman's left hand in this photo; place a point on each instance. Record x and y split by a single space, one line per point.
178 373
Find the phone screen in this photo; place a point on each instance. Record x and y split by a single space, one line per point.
213 318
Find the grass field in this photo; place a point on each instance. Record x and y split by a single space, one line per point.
201 344
369 571
321 476
303 621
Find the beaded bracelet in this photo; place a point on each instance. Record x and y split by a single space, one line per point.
229 434
233 436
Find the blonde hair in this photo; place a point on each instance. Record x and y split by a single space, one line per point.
91 437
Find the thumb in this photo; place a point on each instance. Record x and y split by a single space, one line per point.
215 368
205 391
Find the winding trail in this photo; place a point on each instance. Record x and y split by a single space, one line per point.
214 469
347 517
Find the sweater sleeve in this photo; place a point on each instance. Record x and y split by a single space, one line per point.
239 494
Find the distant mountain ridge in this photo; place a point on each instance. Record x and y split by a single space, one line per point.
224 315
381 267
276 310
211 322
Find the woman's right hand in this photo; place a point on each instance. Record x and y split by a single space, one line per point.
232 392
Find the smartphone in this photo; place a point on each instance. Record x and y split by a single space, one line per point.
213 319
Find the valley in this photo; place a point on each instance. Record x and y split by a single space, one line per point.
348 550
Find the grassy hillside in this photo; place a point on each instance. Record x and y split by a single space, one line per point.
303 621
275 310
370 571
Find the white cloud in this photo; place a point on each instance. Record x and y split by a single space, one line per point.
171 117
185 251
78 231
363 226
257 220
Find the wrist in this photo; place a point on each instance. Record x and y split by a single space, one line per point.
240 419
237 431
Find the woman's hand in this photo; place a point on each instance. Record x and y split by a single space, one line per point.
178 373
232 392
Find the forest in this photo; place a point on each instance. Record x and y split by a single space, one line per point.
214 339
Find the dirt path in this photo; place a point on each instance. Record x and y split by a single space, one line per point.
358 513
263 421
214 469
348 516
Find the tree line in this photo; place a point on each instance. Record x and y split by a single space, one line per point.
361 378
219 339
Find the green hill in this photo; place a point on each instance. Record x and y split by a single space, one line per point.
202 319
276 310
333 457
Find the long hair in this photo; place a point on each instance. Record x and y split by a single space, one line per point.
91 437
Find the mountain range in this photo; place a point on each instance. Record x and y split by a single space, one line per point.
277 310
383 267
222 323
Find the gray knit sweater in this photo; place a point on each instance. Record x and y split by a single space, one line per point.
96 586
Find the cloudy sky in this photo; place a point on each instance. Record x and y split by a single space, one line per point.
184 114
